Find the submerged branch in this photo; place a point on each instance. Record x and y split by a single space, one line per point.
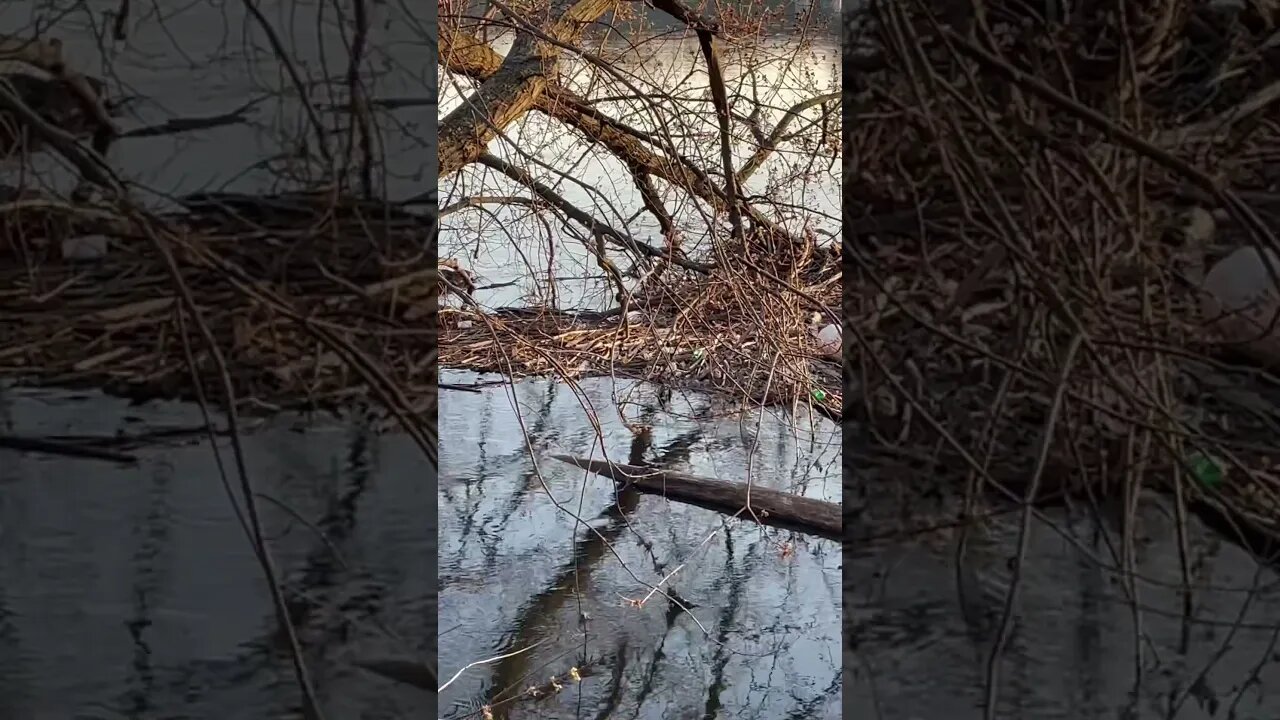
771 507
174 126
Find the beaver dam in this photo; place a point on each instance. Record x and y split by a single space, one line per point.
1044 299
1059 309
297 301
306 317
743 328
721 330
729 283
304 291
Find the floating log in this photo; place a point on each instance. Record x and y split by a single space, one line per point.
406 672
772 507
295 210
63 449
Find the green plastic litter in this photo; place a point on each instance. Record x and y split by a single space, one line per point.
1205 469
819 395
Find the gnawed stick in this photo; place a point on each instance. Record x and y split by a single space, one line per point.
772 507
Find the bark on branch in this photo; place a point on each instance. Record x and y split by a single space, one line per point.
516 85
771 507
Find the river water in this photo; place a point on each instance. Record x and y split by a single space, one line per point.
132 591
762 638
201 59
1083 644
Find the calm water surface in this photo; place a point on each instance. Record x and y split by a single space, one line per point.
922 633
762 639
201 59
133 591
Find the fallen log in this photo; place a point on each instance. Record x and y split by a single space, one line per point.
406 672
772 507
63 449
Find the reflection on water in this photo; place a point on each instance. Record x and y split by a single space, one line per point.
920 652
509 244
133 591
762 637
199 59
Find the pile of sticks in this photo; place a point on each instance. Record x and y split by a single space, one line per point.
745 328
1024 304
309 315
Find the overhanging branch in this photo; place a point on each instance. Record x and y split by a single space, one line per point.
516 85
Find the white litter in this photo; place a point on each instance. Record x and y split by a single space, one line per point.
829 340
1240 301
